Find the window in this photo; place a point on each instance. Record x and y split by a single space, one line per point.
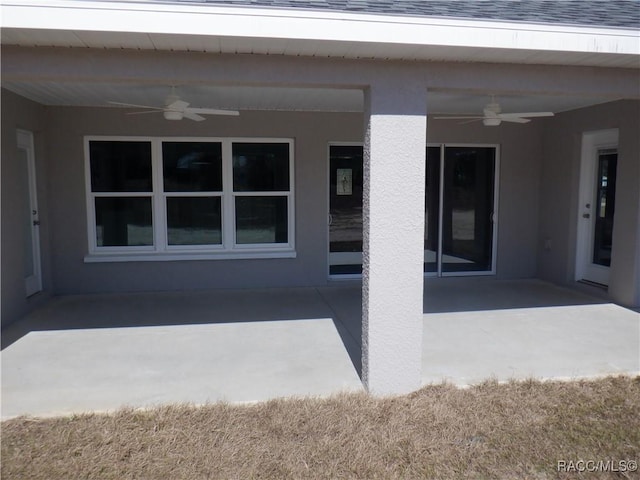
165 199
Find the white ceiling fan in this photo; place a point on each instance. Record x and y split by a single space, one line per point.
177 109
492 116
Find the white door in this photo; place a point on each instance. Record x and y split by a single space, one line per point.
597 206
29 208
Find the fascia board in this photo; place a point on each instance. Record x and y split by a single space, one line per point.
270 23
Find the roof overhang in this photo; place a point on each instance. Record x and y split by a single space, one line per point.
146 25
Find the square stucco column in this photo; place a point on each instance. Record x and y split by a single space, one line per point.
624 280
394 189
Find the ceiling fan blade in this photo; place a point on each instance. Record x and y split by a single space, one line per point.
192 116
135 105
526 114
463 117
177 106
143 113
514 119
214 111
479 119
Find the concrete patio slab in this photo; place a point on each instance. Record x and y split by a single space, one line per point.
560 342
101 352
195 347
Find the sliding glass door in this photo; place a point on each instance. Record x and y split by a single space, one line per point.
468 209
345 210
432 211
460 208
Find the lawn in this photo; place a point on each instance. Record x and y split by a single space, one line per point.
521 430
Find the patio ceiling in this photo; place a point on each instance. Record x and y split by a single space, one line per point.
276 98
225 29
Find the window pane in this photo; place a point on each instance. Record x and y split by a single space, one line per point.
192 166
431 209
194 220
605 207
260 167
123 221
120 166
261 220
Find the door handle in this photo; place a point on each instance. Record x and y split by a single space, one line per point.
36 222
586 215
330 219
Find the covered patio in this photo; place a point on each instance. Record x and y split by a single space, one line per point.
84 353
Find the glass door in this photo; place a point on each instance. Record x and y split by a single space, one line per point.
594 246
459 207
345 210
29 210
432 211
467 209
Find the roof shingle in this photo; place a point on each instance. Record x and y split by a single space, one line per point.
597 13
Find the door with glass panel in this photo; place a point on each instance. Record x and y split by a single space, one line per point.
28 207
460 206
345 210
598 201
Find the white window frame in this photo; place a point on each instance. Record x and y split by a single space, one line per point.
161 250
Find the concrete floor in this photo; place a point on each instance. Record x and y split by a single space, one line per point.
100 352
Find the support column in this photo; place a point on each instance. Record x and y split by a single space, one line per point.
393 202
624 279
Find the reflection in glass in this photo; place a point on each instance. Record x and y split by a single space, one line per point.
192 166
260 167
261 220
194 220
345 209
605 207
120 166
123 221
467 227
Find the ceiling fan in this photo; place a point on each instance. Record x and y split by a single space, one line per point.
176 109
492 116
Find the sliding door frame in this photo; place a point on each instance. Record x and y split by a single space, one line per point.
439 272
494 216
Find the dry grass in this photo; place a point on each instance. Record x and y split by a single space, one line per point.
517 430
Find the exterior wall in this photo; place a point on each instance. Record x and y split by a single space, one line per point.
19 113
559 200
520 154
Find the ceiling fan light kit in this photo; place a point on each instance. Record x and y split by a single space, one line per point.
491 122
171 115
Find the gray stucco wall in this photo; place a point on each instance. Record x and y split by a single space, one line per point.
560 187
19 113
519 183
